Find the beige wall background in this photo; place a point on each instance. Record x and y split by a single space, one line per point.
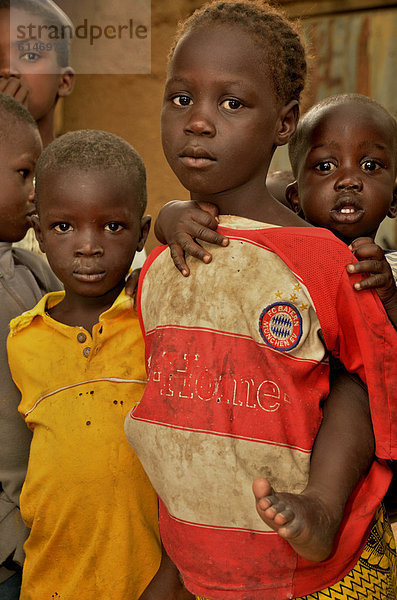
352 45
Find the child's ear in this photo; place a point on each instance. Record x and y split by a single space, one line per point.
393 206
288 120
37 232
66 82
291 193
145 227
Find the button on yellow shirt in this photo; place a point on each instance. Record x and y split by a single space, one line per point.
90 506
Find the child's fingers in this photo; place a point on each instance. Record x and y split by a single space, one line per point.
178 257
366 266
208 235
9 86
378 280
202 225
359 242
186 218
366 248
22 96
12 87
190 245
209 208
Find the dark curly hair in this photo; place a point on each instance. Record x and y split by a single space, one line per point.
12 112
94 150
273 31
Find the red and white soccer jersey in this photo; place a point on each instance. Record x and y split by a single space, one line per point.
237 371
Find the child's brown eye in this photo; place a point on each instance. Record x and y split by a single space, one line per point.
325 166
62 227
231 104
370 165
182 100
113 227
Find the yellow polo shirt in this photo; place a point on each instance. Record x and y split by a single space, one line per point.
90 506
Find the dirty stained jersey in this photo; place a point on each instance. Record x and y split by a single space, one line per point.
237 371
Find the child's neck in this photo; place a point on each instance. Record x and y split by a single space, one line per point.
46 128
254 203
83 311
342 238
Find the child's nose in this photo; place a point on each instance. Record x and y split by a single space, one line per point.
88 245
349 180
200 123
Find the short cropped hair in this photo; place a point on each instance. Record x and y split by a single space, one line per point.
52 16
93 150
277 36
12 112
298 143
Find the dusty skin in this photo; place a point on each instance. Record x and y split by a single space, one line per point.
303 520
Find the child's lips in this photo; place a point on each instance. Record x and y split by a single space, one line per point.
196 156
347 211
198 163
86 276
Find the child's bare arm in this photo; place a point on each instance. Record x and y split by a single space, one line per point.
180 222
380 277
166 584
12 86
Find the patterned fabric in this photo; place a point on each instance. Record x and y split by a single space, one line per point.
374 577
237 372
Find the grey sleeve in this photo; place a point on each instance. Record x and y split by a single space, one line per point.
15 440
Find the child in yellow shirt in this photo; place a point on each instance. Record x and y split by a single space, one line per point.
78 359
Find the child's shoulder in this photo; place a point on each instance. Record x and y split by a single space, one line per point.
316 256
40 269
314 246
23 321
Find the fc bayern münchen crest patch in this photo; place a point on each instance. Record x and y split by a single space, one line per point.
280 326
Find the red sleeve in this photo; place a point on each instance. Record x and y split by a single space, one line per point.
152 256
148 262
367 344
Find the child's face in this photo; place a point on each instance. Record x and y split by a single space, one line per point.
346 177
90 229
32 77
18 157
220 116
